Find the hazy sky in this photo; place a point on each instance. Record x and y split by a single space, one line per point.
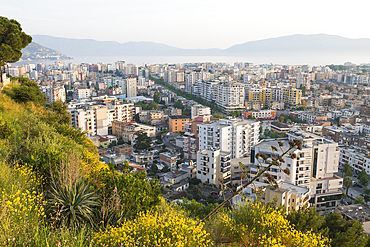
191 23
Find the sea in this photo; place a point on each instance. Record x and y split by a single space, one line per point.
315 60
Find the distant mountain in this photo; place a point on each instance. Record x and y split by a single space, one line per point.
321 44
90 47
305 44
35 52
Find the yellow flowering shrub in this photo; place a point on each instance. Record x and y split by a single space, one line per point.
21 205
252 225
167 229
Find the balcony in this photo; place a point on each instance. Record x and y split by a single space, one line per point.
224 159
224 170
225 164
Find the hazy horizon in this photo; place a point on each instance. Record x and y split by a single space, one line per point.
141 60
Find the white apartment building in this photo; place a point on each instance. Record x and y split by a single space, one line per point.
209 90
214 165
81 93
230 96
314 167
236 136
357 158
120 111
200 111
92 119
55 93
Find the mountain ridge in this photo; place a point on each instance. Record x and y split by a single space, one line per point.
322 44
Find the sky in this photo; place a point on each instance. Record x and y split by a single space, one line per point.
191 23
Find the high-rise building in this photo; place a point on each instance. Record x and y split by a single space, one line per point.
230 96
120 111
92 119
131 87
213 166
236 136
314 166
292 96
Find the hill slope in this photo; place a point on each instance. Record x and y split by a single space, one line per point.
35 51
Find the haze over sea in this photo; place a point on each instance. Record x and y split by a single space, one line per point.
291 60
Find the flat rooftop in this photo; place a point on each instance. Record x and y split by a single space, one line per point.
355 212
293 189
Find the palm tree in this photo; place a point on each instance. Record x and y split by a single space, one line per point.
347 183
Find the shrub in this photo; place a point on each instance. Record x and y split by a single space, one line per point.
168 229
253 224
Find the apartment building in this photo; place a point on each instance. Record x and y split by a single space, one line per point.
358 158
81 93
314 167
213 166
119 128
120 111
130 87
200 111
92 119
236 136
168 159
290 196
264 114
177 123
292 96
230 96
55 93
152 117
189 145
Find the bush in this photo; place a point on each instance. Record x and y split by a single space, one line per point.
253 224
168 229
25 91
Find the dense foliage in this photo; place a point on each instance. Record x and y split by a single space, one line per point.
12 40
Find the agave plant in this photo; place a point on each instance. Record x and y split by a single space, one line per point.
71 204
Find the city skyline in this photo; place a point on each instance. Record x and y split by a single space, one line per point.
190 24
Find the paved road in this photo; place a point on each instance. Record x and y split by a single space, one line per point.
354 191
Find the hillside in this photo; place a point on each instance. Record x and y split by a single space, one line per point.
321 44
34 52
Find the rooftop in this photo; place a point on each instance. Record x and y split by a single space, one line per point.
179 117
355 212
293 189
